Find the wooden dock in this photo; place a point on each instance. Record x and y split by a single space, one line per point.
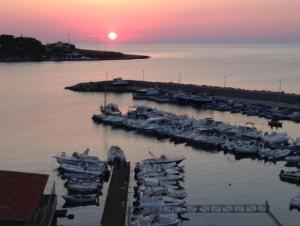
114 213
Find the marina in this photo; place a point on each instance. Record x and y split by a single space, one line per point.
208 173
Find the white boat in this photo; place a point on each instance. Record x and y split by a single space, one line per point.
156 182
159 191
245 148
144 187
279 154
264 153
76 158
275 138
163 159
110 109
155 220
119 81
84 185
295 202
170 171
160 200
150 164
115 153
161 177
294 159
162 209
79 198
99 171
290 176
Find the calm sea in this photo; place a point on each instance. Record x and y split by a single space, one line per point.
39 118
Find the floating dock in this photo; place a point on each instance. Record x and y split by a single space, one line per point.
115 209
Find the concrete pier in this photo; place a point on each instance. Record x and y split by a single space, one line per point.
114 213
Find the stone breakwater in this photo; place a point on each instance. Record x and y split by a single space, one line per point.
133 85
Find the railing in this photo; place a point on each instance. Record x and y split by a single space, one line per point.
222 208
228 208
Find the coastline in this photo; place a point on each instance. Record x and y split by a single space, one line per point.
119 57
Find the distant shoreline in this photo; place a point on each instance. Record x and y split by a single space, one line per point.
124 57
27 49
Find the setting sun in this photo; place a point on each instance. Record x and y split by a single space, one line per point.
112 36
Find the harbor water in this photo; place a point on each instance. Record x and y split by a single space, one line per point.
39 118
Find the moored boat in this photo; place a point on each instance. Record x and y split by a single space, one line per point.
290 176
295 202
79 198
114 154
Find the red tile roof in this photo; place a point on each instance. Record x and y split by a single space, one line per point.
20 194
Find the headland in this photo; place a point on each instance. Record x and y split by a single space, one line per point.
27 49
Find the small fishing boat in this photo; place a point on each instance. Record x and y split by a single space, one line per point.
79 198
115 153
290 176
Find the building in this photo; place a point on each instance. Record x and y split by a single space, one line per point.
22 200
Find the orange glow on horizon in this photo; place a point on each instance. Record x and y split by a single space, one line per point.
155 20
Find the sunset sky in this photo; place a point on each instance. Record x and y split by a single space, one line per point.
165 21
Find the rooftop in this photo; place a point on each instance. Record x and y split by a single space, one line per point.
20 194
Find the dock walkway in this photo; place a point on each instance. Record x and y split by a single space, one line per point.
114 213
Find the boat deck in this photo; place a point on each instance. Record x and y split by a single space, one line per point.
114 213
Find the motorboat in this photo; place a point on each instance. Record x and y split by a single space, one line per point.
119 81
159 200
295 202
290 176
98 171
148 181
163 159
79 198
161 209
264 153
155 220
275 138
110 109
76 158
293 159
161 177
115 153
84 185
159 191
245 148
279 154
